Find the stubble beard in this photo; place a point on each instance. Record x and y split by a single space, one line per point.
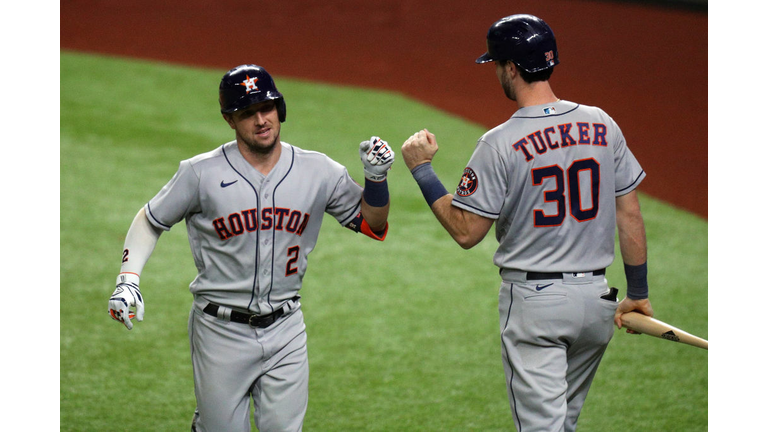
259 149
506 84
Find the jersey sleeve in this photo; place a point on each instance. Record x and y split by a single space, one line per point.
344 202
629 173
483 184
178 198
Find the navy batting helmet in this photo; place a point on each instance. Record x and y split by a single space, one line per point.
246 85
525 40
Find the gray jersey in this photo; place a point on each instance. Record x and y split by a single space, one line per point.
251 234
549 176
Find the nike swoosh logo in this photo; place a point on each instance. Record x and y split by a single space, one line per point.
227 184
541 287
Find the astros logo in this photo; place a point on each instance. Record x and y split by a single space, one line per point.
468 184
250 84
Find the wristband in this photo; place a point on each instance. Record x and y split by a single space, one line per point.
430 185
637 281
376 194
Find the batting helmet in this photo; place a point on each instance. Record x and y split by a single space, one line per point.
246 85
525 40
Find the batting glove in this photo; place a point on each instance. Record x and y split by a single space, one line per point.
126 296
377 158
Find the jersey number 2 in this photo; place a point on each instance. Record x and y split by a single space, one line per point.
293 258
558 195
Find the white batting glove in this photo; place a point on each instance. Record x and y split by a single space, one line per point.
377 158
126 296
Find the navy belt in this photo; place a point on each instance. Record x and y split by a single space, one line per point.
559 275
261 321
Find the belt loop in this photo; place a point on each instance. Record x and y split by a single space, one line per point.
512 275
290 305
224 313
295 302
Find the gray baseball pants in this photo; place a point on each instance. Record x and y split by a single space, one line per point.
553 335
233 362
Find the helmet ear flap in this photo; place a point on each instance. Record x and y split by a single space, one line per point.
280 104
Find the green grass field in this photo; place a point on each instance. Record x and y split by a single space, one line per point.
412 347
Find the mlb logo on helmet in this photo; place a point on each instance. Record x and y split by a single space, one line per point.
549 56
250 84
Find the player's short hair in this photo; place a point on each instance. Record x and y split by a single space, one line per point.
531 77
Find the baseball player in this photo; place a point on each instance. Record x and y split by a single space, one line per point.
253 209
556 178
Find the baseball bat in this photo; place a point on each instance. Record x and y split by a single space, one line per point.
653 327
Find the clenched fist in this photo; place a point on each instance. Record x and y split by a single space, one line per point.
126 296
419 149
377 158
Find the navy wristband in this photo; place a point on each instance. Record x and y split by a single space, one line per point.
637 281
428 182
376 194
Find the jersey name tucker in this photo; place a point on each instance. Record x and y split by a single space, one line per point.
564 135
281 219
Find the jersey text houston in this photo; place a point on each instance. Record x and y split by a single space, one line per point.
281 219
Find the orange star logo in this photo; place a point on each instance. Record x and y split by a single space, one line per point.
250 84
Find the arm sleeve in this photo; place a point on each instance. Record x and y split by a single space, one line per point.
140 241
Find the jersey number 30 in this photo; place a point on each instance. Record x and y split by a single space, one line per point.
574 193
